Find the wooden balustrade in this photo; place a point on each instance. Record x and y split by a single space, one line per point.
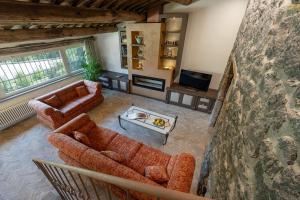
77 183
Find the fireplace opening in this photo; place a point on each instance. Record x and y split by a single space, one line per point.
148 82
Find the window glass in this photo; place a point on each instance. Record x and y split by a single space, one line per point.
23 72
75 57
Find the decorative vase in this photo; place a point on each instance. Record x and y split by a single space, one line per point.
139 39
139 53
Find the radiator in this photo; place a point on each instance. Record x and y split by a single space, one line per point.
14 114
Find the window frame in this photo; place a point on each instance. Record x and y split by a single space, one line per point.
69 74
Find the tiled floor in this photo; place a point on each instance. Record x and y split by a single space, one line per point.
20 178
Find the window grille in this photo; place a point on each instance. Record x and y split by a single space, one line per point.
23 72
75 56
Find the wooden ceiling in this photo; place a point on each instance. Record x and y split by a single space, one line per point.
22 20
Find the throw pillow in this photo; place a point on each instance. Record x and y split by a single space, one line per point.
53 101
114 156
82 138
82 91
157 173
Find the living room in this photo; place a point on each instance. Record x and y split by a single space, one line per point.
149 99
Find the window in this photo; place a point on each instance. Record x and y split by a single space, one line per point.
20 73
75 56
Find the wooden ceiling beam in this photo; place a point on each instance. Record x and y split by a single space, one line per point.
26 13
137 4
21 35
144 6
108 4
183 2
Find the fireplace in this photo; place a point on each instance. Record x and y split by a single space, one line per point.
148 82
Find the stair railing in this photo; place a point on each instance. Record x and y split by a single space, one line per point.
73 183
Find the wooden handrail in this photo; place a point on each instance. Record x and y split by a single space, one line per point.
151 190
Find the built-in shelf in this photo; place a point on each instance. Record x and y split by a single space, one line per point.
138 58
169 57
138 45
173 31
170 45
123 46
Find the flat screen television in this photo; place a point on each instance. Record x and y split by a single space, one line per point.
195 80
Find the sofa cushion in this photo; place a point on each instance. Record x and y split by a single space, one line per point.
86 99
87 128
157 174
171 164
67 95
148 156
125 146
70 108
114 156
82 138
81 91
101 137
53 101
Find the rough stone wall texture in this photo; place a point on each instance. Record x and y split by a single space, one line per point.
257 140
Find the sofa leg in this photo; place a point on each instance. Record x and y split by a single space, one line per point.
119 118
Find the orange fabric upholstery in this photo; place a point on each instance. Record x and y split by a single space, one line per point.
148 156
183 168
179 168
157 173
72 104
81 91
114 156
125 146
81 137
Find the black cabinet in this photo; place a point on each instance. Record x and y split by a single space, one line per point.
115 81
191 98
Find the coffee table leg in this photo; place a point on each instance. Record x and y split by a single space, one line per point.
119 118
166 138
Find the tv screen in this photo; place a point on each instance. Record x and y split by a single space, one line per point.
196 80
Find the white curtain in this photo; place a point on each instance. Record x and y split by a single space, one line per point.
90 48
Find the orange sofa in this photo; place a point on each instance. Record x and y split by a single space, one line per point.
67 103
137 156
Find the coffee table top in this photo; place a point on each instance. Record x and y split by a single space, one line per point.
148 122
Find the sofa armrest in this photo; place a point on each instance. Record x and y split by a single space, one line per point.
93 87
182 175
45 109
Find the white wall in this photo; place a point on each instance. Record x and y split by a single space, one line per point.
211 32
107 45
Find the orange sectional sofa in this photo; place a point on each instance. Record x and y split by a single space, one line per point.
60 106
137 156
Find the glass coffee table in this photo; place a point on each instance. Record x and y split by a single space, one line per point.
164 124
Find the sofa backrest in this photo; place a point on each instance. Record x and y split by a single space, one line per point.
79 122
65 94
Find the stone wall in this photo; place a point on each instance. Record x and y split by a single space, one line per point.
257 140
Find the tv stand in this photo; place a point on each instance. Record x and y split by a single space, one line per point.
191 98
